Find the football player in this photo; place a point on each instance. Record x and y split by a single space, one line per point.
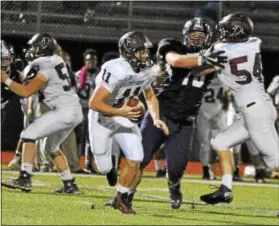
243 75
110 116
47 75
179 96
212 118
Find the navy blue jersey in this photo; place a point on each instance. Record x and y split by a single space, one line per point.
181 93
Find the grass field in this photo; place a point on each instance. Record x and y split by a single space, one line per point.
252 205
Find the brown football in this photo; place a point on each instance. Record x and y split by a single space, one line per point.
132 102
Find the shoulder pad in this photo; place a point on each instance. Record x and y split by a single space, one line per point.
168 44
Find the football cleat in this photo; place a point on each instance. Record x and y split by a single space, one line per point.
70 187
23 182
122 203
236 176
260 176
223 194
111 203
14 164
175 195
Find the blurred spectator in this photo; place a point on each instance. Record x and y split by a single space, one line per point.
86 84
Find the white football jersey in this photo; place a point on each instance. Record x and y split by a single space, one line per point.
86 93
118 77
243 71
212 103
57 92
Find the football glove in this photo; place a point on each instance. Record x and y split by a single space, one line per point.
216 59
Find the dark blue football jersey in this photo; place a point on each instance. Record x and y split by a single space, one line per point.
181 93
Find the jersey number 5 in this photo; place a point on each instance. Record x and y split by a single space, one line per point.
257 69
63 76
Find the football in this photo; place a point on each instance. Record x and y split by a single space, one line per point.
132 102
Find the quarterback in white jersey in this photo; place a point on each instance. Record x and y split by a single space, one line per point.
109 115
212 119
47 75
243 75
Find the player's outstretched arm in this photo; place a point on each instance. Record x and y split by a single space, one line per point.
153 107
182 60
24 90
98 103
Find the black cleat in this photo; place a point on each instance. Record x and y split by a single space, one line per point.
223 194
23 182
236 176
70 187
160 173
175 195
260 175
112 177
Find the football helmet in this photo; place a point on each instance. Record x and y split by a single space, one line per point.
235 27
41 45
132 42
197 34
6 56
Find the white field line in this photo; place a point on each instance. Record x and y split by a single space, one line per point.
199 181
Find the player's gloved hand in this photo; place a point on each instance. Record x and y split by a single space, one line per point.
130 112
209 57
161 125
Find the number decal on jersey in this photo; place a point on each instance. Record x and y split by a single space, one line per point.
257 69
191 80
63 76
209 97
126 94
106 77
234 70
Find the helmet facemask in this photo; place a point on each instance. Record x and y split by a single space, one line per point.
197 34
196 41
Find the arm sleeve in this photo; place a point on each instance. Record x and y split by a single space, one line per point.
166 45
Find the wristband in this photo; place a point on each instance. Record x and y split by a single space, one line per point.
8 81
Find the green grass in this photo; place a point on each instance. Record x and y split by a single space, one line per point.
252 205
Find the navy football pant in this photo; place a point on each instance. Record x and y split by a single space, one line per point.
177 146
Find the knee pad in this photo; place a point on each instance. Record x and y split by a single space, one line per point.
104 164
219 144
28 135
